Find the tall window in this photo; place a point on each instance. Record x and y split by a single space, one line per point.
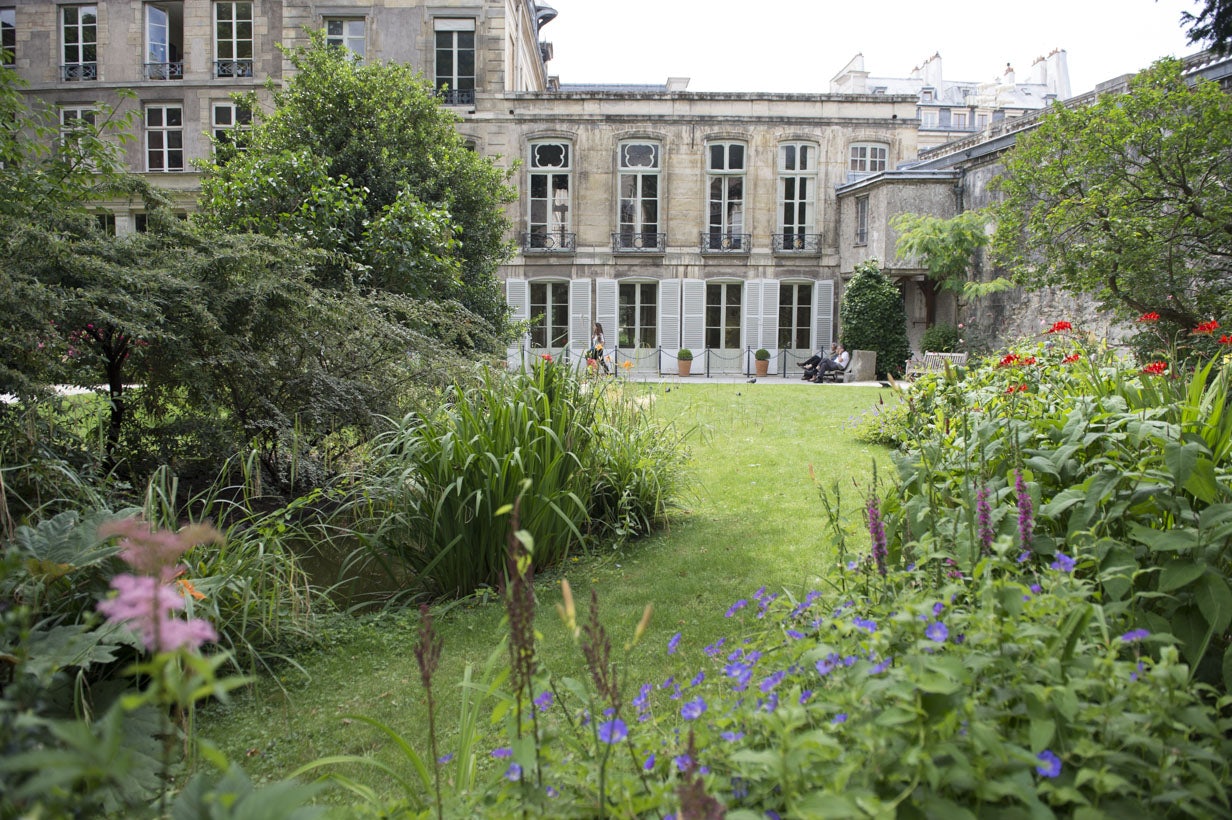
868 158
928 119
164 138
76 121
958 119
981 121
455 60
550 205
795 315
230 122
861 220
164 23
79 35
8 36
723 316
549 314
639 195
725 183
346 32
233 39
639 314
797 180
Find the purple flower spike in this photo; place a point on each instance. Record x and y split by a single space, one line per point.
1026 514
983 517
876 531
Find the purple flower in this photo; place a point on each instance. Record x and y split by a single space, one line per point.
682 762
1134 675
983 517
514 772
794 634
693 709
144 604
867 624
550 791
1037 589
1050 764
1135 635
841 717
1026 519
443 759
938 608
643 696
826 665
937 631
673 644
881 667
503 751
613 731
876 531
545 700
713 649
771 681
736 607
1063 563
771 703
806 696
731 737
698 678
649 764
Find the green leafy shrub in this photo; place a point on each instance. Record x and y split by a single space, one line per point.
940 338
886 423
684 355
762 355
873 319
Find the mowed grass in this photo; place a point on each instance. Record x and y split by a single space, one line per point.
752 519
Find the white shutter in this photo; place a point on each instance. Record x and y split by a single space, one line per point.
517 297
579 316
770 318
823 315
605 311
669 319
750 336
693 315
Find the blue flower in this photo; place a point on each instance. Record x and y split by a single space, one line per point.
551 791
841 717
806 696
613 731
643 696
682 762
673 644
736 607
503 751
795 634
938 608
1050 764
881 667
697 680
937 632
1135 635
544 701
514 772
866 624
713 649
772 681
731 737
650 761
445 758
693 709
1063 563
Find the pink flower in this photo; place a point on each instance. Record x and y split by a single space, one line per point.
145 605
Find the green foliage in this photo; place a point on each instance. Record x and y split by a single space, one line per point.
946 247
359 159
762 355
886 423
1123 199
941 338
684 355
874 319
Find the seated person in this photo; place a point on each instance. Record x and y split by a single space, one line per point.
810 364
838 363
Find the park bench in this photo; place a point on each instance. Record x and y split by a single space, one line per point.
933 363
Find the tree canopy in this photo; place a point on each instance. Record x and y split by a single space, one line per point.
947 249
1127 199
360 160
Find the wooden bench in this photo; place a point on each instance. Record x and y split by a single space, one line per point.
934 363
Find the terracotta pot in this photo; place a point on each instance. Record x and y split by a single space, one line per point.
761 366
684 366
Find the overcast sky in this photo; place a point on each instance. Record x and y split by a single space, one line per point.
798 45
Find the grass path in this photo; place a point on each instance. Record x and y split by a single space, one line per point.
753 520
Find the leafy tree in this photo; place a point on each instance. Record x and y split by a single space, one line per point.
1127 200
947 248
874 318
1211 26
361 160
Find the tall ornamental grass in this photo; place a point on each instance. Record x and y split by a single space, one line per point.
441 484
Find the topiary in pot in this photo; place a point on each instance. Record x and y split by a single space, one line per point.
761 363
684 361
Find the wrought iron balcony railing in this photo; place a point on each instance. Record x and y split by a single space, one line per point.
163 71
723 242
638 242
75 72
796 242
233 68
454 96
554 242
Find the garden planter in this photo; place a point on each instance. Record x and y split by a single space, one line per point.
684 367
761 366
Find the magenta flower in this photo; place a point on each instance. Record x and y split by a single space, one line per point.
983 518
876 531
1026 518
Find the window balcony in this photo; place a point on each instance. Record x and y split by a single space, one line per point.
233 68
452 96
76 72
638 242
544 242
796 243
724 242
163 71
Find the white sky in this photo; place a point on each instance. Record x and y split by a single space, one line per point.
798 45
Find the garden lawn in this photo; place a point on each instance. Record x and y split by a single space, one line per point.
752 519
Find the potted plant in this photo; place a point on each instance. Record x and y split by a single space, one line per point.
761 361
684 361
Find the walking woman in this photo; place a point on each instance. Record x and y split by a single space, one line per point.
596 347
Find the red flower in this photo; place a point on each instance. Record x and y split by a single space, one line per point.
1059 327
1149 317
547 357
1009 360
1022 388
1029 360
1225 339
1073 357
1155 368
1206 328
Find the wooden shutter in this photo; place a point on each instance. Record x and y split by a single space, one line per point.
669 322
823 315
693 315
606 296
579 316
517 296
